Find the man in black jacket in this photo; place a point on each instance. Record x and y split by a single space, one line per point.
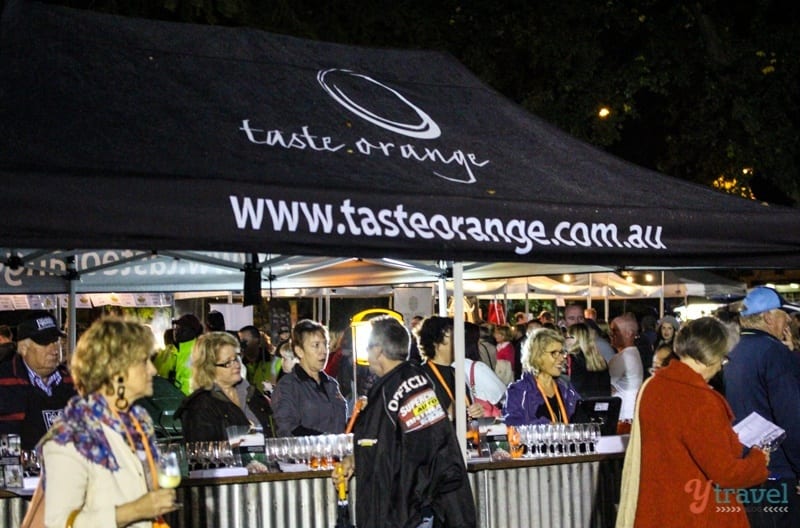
34 385
407 462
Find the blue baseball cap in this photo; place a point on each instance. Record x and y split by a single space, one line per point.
762 299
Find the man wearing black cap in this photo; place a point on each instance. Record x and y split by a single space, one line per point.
34 385
185 331
763 376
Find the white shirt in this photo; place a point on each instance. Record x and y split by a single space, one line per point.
626 372
487 385
605 348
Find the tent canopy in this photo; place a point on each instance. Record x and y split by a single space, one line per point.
131 134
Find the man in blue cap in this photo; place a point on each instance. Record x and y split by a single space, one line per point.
763 376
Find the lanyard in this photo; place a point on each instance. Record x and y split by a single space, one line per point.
561 408
149 454
159 522
438 374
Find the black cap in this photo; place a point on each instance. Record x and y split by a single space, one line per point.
189 321
283 329
215 321
42 329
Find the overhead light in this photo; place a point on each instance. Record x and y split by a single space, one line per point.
566 277
648 277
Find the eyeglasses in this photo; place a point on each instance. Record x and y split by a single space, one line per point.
557 353
229 363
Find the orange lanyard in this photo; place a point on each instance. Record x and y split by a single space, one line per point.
547 402
149 454
435 370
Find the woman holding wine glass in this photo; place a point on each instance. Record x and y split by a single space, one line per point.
92 468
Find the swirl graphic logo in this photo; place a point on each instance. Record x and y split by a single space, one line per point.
425 129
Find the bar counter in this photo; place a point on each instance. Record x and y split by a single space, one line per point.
578 491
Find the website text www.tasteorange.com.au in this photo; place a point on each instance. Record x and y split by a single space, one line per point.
348 218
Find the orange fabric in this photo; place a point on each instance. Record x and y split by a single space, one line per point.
687 446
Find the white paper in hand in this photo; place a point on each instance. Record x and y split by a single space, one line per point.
755 430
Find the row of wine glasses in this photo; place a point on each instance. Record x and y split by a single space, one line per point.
317 452
31 466
211 455
547 440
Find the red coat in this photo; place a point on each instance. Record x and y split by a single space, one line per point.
688 446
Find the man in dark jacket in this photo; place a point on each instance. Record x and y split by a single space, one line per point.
7 345
407 462
763 376
34 385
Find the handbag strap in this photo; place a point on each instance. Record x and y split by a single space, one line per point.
472 377
71 518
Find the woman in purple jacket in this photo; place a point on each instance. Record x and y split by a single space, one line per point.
540 396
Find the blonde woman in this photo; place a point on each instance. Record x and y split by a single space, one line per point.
587 369
221 396
93 475
540 396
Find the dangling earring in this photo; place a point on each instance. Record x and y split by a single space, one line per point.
121 402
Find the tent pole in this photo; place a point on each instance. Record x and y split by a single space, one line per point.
443 297
589 300
328 307
458 357
72 311
661 300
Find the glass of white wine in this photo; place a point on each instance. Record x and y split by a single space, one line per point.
169 470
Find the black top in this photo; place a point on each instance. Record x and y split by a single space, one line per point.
588 383
206 414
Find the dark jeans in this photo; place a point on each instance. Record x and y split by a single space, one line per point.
776 513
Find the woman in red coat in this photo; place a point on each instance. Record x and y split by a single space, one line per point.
690 454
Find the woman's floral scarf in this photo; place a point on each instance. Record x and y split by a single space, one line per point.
81 425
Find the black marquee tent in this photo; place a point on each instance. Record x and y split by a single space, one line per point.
152 138
121 133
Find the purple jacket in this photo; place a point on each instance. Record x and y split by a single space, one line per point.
523 400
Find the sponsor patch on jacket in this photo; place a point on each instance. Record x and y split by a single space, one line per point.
419 411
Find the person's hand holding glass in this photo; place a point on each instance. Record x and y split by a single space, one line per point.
169 470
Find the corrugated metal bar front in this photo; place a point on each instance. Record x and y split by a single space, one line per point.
308 502
561 495
12 510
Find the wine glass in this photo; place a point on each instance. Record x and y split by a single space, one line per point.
769 443
169 470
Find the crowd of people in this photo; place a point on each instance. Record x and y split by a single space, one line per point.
533 371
